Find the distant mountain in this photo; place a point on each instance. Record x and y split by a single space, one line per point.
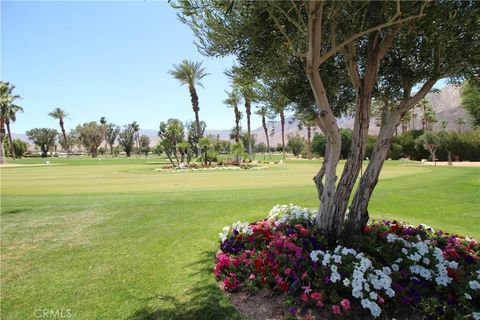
446 104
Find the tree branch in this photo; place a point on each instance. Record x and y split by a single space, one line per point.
281 29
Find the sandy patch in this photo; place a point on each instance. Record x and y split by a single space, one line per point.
454 164
16 165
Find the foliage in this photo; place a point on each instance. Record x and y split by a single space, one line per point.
126 138
91 135
392 265
144 144
238 152
471 99
44 138
171 134
111 134
205 145
318 144
19 147
430 141
296 143
8 110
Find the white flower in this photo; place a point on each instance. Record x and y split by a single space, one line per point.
404 251
453 264
337 258
474 285
346 282
395 267
426 261
476 315
468 297
373 295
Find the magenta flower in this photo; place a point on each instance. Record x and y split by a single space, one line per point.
336 309
345 303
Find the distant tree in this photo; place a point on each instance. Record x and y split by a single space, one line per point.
296 143
430 141
158 149
193 136
318 144
103 122
7 113
111 134
238 152
233 101
261 148
91 136
471 99
136 129
60 114
171 134
144 144
263 112
444 125
126 138
43 138
205 145
190 73
459 122
19 148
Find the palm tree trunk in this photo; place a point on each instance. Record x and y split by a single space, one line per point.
62 127
282 122
196 108
237 125
2 141
309 142
264 124
248 105
12 149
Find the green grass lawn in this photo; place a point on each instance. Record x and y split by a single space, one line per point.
113 239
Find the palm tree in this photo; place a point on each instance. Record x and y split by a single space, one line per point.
60 114
190 73
232 101
7 111
12 117
246 85
103 122
263 112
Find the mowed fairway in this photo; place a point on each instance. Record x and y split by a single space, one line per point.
113 239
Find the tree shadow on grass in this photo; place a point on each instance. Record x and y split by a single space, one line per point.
206 300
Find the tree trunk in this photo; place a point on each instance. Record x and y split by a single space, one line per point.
309 142
248 106
237 124
282 122
265 129
196 108
94 152
2 143
44 149
62 127
12 149
169 156
358 215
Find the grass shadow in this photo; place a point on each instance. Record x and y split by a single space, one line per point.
205 299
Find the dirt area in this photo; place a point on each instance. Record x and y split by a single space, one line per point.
15 165
454 164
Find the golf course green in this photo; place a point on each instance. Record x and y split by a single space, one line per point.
115 239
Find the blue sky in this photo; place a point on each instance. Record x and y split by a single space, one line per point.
109 59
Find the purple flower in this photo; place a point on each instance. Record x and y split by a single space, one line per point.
292 310
326 280
397 287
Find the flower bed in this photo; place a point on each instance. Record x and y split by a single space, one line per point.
216 168
394 265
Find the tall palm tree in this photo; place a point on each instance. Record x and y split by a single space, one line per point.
103 122
7 108
60 114
12 117
246 84
233 101
459 122
190 73
263 112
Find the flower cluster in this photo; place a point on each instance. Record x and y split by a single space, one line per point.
219 168
393 264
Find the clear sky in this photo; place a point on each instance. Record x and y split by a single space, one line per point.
109 59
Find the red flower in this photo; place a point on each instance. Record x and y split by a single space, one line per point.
226 283
316 296
452 274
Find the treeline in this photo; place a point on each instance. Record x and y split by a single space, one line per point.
416 145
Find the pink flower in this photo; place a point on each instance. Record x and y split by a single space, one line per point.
345 304
316 296
336 309
252 277
226 283
320 304
304 275
304 297
288 271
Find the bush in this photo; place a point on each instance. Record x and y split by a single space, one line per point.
296 143
392 266
19 148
